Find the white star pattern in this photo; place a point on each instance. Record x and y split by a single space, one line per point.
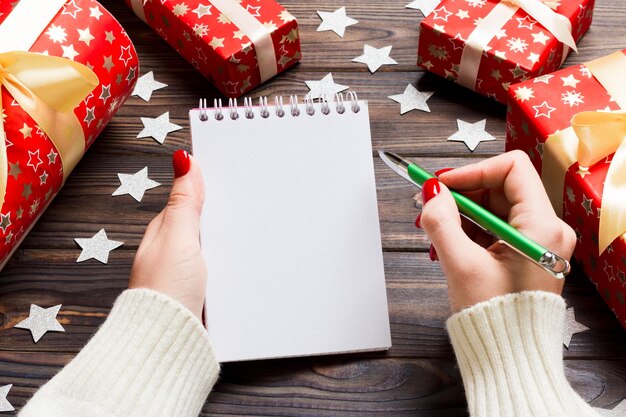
533 57
463 14
476 3
424 6
517 44
572 98
34 160
540 37
97 247
544 109
543 79
56 33
374 58
202 10
524 93
336 21
441 14
570 81
471 133
41 320
525 22
69 52
326 86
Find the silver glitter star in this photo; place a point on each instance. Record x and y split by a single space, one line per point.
157 128
98 247
571 326
325 86
375 57
336 21
146 84
412 99
5 405
424 6
135 184
41 320
619 411
471 133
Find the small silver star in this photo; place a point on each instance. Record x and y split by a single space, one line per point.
618 411
5 405
471 133
98 247
424 6
41 320
571 326
412 99
326 86
146 84
375 57
336 21
135 184
157 128
587 204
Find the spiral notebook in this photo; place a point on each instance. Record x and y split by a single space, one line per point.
290 229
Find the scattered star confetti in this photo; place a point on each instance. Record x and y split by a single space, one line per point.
471 133
375 58
135 184
157 128
424 6
619 411
571 326
412 99
5 405
146 85
41 320
336 21
325 86
98 247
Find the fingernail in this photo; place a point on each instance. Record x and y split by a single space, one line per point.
433 254
181 163
430 189
417 220
441 171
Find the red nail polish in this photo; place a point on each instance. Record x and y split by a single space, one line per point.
181 163
430 189
417 220
441 171
433 254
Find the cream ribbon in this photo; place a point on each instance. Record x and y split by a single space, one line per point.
478 40
258 34
592 137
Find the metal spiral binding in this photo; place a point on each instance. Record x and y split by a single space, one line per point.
249 111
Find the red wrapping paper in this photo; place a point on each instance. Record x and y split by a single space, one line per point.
85 32
537 109
523 49
216 47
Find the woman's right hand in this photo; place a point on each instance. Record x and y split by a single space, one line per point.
480 269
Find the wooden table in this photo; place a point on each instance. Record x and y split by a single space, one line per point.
418 376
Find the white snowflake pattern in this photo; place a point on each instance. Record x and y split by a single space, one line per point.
572 98
200 30
517 44
56 33
524 93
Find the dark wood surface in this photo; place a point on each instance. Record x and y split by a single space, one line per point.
418 376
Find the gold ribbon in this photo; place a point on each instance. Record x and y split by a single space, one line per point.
48 88
479 39
592 137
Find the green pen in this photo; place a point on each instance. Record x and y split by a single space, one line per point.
483 218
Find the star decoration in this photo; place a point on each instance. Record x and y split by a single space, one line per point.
441 14
69 52
543 79
97 247
95 12
146 85
524 93
375 58
157 128
424 6
26 131
14 170
587 205
540 37
41 320
571 327
471 133
336 21
5 405
217 42
543 110
135 184
85 36
618 411
569 81
324 87
412 99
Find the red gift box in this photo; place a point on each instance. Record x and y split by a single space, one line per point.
237 45
549 118
77 68
487 45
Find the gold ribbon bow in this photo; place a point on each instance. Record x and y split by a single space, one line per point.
593 137
479 39
48 89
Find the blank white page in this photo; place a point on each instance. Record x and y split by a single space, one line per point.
290 234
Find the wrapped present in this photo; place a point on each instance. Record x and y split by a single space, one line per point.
66 68
487 45
570 124
237 45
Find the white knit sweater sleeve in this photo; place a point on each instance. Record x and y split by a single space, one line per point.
510 354
151 357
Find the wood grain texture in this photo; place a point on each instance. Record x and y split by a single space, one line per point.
418 376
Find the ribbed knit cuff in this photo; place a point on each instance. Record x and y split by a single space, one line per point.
510 354
151 357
